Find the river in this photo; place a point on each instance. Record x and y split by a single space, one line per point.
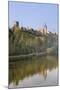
33 71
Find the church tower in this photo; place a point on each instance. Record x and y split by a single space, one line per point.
45 29
16 27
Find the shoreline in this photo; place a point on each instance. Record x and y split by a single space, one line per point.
26 55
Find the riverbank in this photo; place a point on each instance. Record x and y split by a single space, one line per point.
13 58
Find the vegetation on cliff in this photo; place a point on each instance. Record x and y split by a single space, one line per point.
25 41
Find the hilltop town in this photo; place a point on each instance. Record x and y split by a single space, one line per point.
24 40
37 32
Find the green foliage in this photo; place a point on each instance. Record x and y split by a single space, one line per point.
24 41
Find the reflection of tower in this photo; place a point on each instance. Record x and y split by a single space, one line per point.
45 73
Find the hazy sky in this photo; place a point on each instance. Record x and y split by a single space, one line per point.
34 15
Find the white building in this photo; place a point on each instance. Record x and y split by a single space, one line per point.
43 30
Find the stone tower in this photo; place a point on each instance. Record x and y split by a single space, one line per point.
16 27
45 29
17 24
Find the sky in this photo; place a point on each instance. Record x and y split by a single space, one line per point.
34 15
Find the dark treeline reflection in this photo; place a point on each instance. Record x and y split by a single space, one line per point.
29 66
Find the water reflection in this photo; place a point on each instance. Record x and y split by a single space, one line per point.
28 67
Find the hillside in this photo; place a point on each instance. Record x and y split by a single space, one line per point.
23 41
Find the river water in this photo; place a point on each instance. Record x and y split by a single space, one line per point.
33 72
